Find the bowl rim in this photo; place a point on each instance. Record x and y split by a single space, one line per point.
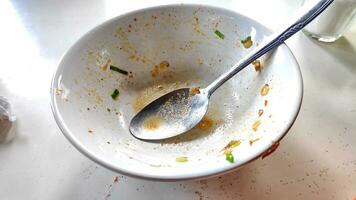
188 176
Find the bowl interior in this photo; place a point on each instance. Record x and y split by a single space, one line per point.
162 49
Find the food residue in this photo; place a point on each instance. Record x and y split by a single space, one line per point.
260 112
264 90
105 65
158 68
231 145
115 94
253 141
266 102
205 124
270 150
229 157
152 123
121 71
182 159
256 125
155 165
247 42
258 66
219 34
90 131
152 92
193 91
58 91
196 26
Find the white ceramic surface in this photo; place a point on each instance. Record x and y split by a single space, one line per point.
184 36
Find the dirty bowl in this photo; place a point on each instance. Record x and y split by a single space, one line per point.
161 49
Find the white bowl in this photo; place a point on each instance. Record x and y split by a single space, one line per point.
184 36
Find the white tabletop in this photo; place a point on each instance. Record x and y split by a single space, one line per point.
316 160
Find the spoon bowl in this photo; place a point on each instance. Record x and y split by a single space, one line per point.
171 114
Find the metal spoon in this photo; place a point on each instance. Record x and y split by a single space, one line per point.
182 109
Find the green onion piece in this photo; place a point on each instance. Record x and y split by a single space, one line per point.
219 34
114 94
255 62
230 157
247 42
248 38
232 144
121 71
182 159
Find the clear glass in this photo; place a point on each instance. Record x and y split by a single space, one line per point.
333 22
6 121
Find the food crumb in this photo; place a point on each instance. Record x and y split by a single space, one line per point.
108 109
158 68
58 91
260 112
232 144
105 65
264 90
199 194
90 131
253 141
88 109
247 42
108 142
256 125
182 159
116 179
194 91
130 75
258 66
164 64
266 103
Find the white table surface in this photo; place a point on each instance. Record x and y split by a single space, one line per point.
316 160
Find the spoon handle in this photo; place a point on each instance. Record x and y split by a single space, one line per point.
306 15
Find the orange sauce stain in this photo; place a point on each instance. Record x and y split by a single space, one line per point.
157 69
205 124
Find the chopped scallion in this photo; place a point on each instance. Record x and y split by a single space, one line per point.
248 38
121 71
247 42
230 157
182 159
219 34
115 94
